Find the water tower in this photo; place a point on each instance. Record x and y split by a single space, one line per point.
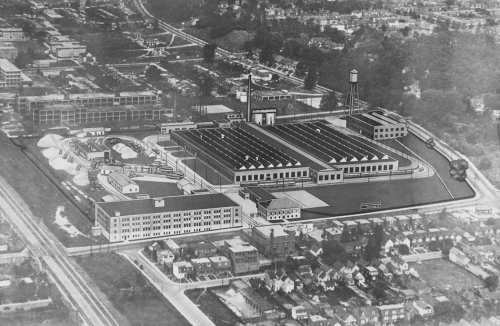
352 100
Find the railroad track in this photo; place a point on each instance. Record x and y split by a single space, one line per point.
53 255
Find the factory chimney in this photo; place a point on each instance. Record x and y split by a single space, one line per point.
249 99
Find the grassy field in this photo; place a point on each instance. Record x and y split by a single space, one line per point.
41 196
212 307
146 306
444 275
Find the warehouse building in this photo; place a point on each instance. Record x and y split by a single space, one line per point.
254 155
377 125
244 257
337 150
121 182
272 240
11 34
74 109
91 150
166 128
29 103
238 155
155 217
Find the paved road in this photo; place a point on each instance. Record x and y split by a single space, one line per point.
53 257
174 292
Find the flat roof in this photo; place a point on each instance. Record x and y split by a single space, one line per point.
60 97
263 194
266 230
121 178
6 65
172 204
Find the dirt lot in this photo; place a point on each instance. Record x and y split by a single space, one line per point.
144 305
212 307
442 275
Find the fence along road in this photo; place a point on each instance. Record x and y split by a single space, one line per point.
53 257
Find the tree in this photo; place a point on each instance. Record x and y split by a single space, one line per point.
405 31
209 52
154 256
345 236
491 282
442 215
22 60
266 56
153 73
404 250
433 246
328 102
311 78
379 292
371 250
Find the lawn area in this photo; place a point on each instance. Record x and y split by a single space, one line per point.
145 306
40 194
212 307
442 274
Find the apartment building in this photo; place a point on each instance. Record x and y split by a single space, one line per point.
155 217
244 257
10 75
273 240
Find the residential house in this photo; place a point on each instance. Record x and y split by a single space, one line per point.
458 257
470 298
182 269
387 243
399 262
317 320
344 318
420 287
305 274
172 246
401 239
352 248
391 313
424 309
322 274
365 315
316 250
358 277
202 266
299 312
205 249
165 256
333 234
221 264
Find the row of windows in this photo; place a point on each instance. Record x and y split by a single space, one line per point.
256 177
328 177
368 168
387 136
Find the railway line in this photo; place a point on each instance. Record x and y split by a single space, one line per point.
53 256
